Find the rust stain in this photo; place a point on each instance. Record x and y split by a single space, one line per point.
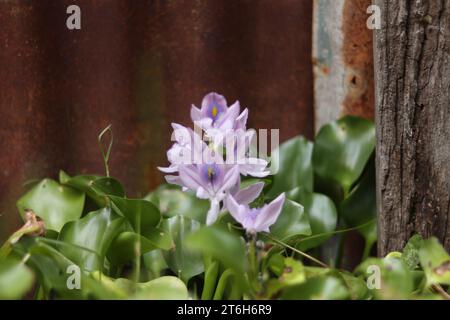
139 65
357 54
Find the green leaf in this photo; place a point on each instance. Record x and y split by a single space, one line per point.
221 244
108 186
155 263
276 264
342 149
185 263
95 187
293 272
356 286
128 245
396 281
163 288
171 201
322 216
16 279
435 261
248 181
292 221
95 232
325 287
54 203
293 168
360 207
53 273
290 272
411 251
142 214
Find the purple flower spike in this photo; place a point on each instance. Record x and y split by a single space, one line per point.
210 181
255 219
215 113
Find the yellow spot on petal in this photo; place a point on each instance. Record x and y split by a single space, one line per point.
210 172
214 111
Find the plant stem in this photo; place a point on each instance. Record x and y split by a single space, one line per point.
138 248
297 251
441 291
319 235
210 280
222 284
106 154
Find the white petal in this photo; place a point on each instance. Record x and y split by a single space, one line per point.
196 113
269 213
190 177
236 211
227 120
230 179
241 120
173 180
170 169
202 193
248 194
213 212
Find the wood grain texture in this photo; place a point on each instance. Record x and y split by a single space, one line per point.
412 76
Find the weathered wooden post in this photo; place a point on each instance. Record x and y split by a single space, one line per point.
412 79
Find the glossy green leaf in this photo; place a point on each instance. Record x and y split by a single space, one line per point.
95 187
435 261
293 168
95 232
325 287
180 259
359 208
360 205
291 222
342 149
221 244
53 272
171 201
128 245
322 216
16 279
108 186
56 204
142 214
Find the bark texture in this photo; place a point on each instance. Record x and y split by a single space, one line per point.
412 76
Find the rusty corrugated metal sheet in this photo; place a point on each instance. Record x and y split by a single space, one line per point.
343 60
139 65
343 75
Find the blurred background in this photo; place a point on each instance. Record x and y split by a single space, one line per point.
139 65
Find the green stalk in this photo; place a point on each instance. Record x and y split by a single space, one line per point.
222 284
210 280
137 264
281 243
6 248
107 153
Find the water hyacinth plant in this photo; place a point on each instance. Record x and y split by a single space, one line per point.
228 224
